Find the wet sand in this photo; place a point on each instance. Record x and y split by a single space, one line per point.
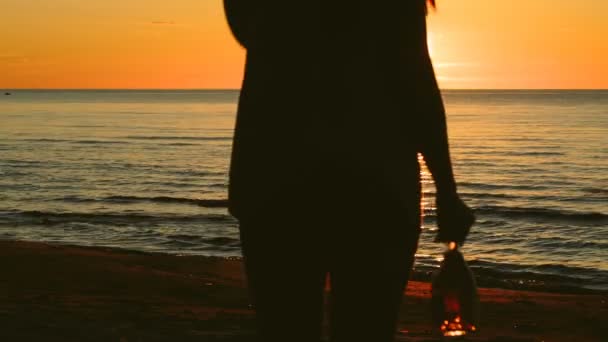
68 293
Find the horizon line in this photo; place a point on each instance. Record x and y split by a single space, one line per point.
236 89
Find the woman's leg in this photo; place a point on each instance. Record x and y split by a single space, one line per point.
285 278
368 278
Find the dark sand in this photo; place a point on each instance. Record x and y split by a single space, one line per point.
66 293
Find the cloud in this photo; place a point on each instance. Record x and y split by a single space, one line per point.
162 22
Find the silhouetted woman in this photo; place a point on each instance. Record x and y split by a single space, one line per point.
338 98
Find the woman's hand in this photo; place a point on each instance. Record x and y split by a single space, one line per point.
454 219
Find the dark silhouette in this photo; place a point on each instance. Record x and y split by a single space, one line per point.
338 98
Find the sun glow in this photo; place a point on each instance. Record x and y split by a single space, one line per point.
187 44
431 44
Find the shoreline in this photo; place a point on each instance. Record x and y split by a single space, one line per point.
68 293
422 272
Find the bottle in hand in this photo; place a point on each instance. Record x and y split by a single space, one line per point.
455 303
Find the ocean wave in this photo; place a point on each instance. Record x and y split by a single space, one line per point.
220 241
469 163
208 203
45 140
34 217
485 186
217 185
501 196
531 153
546 278
514 153
102 142
182 144
544 213
198 173
487 195
527 197
180 185
98 142
564 243
22 162
138 137
598 191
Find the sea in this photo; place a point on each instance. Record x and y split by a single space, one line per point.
147 170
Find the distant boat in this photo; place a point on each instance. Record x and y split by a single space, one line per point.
7 93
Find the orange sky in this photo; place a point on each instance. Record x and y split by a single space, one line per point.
186 44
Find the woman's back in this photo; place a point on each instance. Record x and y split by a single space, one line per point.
329 96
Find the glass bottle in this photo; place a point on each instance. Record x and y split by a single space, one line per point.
455 303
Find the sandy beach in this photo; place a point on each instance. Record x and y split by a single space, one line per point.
69 293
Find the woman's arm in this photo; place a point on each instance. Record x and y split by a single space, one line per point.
434 138
454 217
